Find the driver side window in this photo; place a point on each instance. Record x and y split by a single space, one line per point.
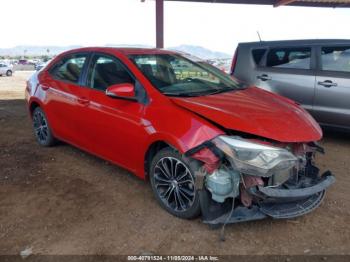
107 71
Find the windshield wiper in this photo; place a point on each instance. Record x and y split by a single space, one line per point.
204 93
218 91
179 94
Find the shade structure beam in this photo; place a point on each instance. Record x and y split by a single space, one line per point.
275 3
283 2
160 23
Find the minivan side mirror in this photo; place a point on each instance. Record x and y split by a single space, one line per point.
122 91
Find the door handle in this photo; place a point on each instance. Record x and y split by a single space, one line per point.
264 77
44 87
327 83
83 101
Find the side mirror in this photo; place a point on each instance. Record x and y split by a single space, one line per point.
122 91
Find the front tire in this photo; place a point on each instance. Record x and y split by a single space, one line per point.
173 183
42 129
9 73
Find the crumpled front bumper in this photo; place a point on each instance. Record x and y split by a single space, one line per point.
299 193
271 202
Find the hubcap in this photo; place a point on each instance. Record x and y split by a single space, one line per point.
40 126
174 184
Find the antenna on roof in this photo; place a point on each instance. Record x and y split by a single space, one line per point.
259 36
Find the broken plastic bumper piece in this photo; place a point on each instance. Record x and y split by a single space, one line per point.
271 202
298 193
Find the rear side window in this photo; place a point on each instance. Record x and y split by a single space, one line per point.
293 58
69 68
336 58
107 71
258 55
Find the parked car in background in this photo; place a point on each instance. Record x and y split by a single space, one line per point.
23 62
207 143
6 69
40 66
315 73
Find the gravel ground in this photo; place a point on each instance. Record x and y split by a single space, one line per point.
61 200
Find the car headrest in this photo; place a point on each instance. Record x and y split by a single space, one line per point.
74 70
112 74
109 68
147 69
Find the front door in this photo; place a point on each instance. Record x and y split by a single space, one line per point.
114 125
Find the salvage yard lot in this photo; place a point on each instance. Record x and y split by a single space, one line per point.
61 200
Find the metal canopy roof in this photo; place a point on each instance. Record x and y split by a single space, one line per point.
275 3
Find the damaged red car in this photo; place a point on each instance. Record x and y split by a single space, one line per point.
208 144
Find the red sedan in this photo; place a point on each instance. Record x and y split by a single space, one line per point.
207 143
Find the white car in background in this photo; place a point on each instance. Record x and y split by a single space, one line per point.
40 65
6 69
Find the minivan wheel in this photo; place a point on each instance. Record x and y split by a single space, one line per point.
9 73
173 183
42 129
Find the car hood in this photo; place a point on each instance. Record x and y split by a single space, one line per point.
256 111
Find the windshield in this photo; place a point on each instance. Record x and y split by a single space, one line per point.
175 75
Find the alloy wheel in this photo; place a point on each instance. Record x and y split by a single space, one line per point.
174 184
40 126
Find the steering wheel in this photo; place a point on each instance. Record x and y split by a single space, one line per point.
190 79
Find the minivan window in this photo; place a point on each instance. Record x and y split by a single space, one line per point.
69 68
336 58
107 71
258 55
293 58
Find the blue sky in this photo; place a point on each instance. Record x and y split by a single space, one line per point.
216 26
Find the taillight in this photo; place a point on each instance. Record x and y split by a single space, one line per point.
234 61
28 86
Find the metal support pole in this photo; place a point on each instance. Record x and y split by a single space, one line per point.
160 23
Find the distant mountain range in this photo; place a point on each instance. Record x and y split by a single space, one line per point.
201 52
28 50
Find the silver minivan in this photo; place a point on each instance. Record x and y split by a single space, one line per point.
314 73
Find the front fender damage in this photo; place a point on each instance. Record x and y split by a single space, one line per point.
230 196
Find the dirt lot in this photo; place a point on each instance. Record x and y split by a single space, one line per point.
61 200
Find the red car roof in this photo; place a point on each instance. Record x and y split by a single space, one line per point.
129 51
125 50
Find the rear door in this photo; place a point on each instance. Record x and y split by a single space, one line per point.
289 71
332 96
65 98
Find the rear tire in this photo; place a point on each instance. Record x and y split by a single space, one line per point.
173 183
42 130
9 73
